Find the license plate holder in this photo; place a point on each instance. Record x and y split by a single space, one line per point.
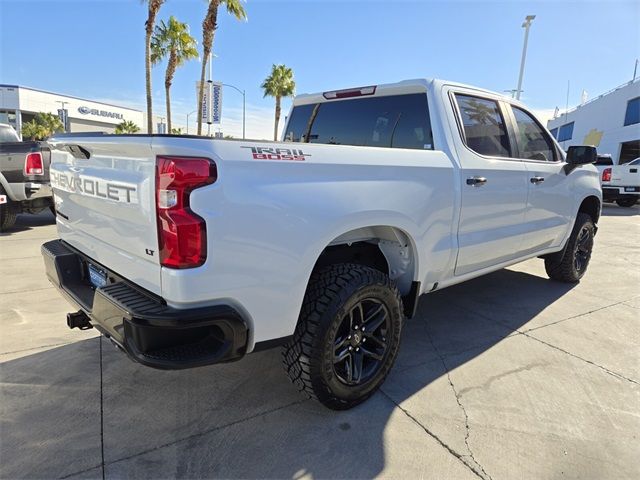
629 189
97 276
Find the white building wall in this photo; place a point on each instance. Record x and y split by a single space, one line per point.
78 109
84 115
600 122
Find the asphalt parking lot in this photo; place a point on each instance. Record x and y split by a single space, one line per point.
507 376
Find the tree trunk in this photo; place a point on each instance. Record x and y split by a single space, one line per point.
168 97
275 129
168 80
201 89
147 68
209 25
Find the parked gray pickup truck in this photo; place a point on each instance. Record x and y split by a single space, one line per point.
24 177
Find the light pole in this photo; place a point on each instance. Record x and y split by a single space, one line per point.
188 115
244 110
525 25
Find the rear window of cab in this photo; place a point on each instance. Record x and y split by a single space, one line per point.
396 121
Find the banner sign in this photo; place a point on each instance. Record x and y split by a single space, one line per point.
206 101
63 115
216 103
211 102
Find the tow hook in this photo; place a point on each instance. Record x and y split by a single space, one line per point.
79 320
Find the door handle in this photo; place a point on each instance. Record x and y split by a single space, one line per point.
476 181
537 180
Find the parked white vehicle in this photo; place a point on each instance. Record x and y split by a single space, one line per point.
187 251
621 183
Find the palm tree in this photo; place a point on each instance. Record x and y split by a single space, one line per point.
154 7
279 83
34 131
209 26
481 112
127 126
42 126
172 40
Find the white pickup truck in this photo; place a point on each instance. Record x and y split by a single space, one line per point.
621 183
187 251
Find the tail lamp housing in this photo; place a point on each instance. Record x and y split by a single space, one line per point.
33 164
182 235
606 175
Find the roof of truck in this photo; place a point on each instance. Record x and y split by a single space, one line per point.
417 85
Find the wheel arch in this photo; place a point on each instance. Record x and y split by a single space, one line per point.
386 248
592 206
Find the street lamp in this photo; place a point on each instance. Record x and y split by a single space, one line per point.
188 115
242 92
525 25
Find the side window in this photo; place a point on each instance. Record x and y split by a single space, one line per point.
298 123
566 132
413 128
632 115
400 121
533 141
554 132
484 128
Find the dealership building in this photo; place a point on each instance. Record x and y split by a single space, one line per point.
611 122
20 104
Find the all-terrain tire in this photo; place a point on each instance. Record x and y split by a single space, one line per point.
572 265
333 294
7 214
626 202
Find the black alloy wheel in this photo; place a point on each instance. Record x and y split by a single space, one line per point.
360 346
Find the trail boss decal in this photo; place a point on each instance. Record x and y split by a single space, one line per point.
265 153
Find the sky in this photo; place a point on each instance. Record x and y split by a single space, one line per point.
95 49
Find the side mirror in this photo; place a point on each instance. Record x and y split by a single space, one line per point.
581 155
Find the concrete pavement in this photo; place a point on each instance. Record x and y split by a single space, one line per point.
507 376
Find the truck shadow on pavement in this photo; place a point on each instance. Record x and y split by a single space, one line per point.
27 221
611 210
67 409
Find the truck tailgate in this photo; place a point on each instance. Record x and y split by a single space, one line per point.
625 176
104 191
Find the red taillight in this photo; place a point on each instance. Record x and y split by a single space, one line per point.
33 164
606 175
182 235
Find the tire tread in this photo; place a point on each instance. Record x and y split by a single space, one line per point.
327 288
562 268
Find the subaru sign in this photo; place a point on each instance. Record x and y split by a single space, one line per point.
100 113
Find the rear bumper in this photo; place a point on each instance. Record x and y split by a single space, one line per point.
149 331
29 190
35 190
610 194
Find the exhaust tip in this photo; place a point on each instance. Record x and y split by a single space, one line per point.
79 320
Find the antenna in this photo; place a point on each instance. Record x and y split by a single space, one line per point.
566 110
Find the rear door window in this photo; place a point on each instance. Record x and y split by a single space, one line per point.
399 121
484 127
533 141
